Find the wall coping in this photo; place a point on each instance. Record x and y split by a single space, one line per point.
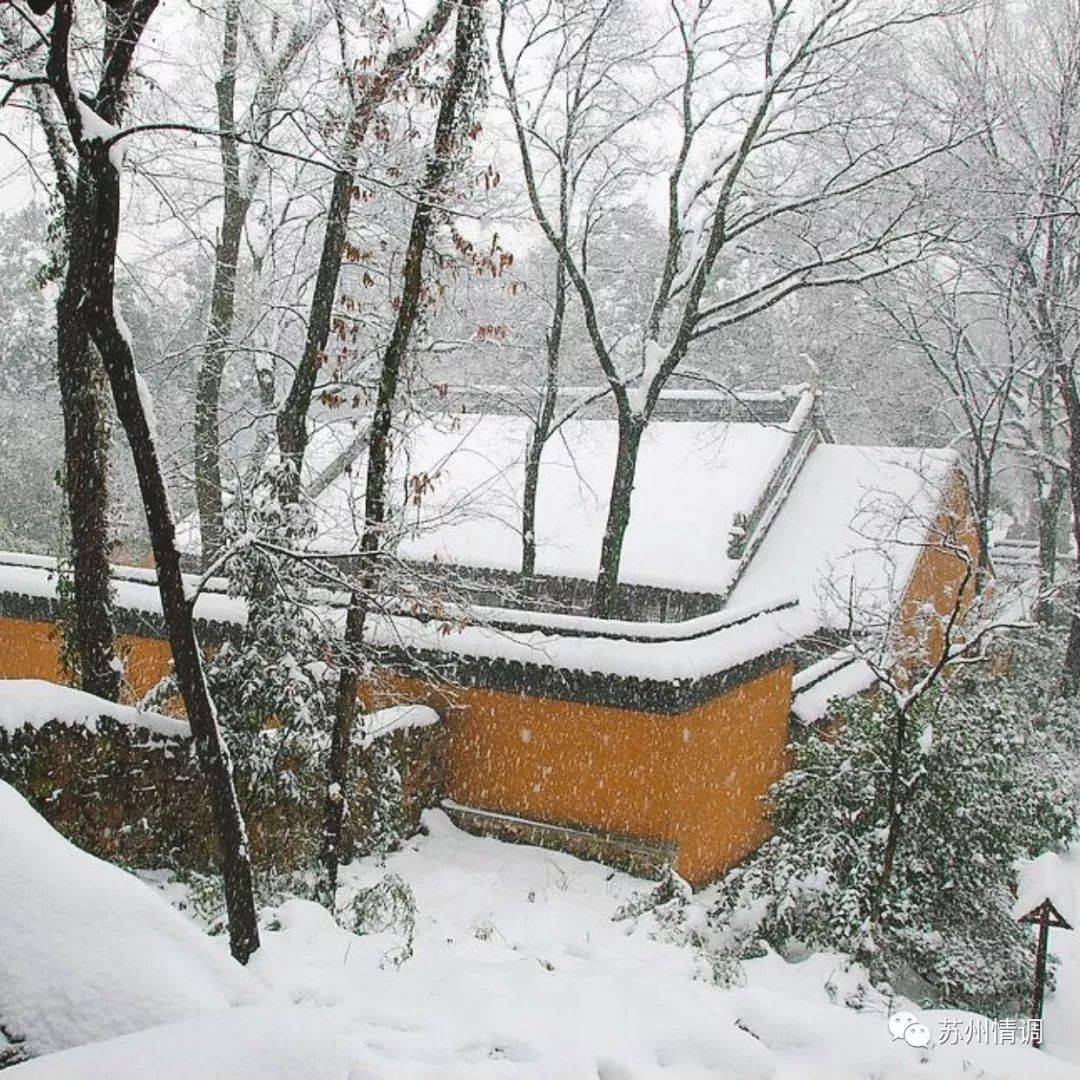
650 667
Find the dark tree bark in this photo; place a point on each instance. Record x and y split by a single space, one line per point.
90 283
631 428
292 431
1050 497
453 110
1070 676
1051 486
208 485
88 630
894 813
541 431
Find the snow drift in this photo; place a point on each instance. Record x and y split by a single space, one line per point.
276 1043
88 951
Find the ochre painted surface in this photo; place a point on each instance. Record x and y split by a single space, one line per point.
695 778
31 650
939 576
146 662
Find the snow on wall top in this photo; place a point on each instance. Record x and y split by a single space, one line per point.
692 649
134 588
693 477
35 702
681 658
856 520
834 678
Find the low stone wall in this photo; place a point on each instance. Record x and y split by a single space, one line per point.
138 798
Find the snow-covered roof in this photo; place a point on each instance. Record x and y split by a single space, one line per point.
1049 877
855 521
693 477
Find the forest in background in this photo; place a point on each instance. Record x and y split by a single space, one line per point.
911 357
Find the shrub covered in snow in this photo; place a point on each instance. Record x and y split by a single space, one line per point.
983 783
273 681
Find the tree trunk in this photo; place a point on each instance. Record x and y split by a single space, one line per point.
982 490
88 633
631 429
88 623
1050 497
1070 676
533 453
292 420
894 815
208 483
208 490
89 629
541 432
91 273
468 40
90 287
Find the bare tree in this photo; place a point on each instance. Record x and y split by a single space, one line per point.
367 94
774 184
456 112
1022 71
89 289
939 312
240 183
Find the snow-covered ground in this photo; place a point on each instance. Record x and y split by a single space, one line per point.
517 971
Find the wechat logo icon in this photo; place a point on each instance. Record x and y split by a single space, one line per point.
906 1026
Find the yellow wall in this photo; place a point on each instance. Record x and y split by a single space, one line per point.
31 650
939 574
695 779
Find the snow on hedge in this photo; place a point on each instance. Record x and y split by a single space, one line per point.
34 702
88 952
384 722
260 1043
